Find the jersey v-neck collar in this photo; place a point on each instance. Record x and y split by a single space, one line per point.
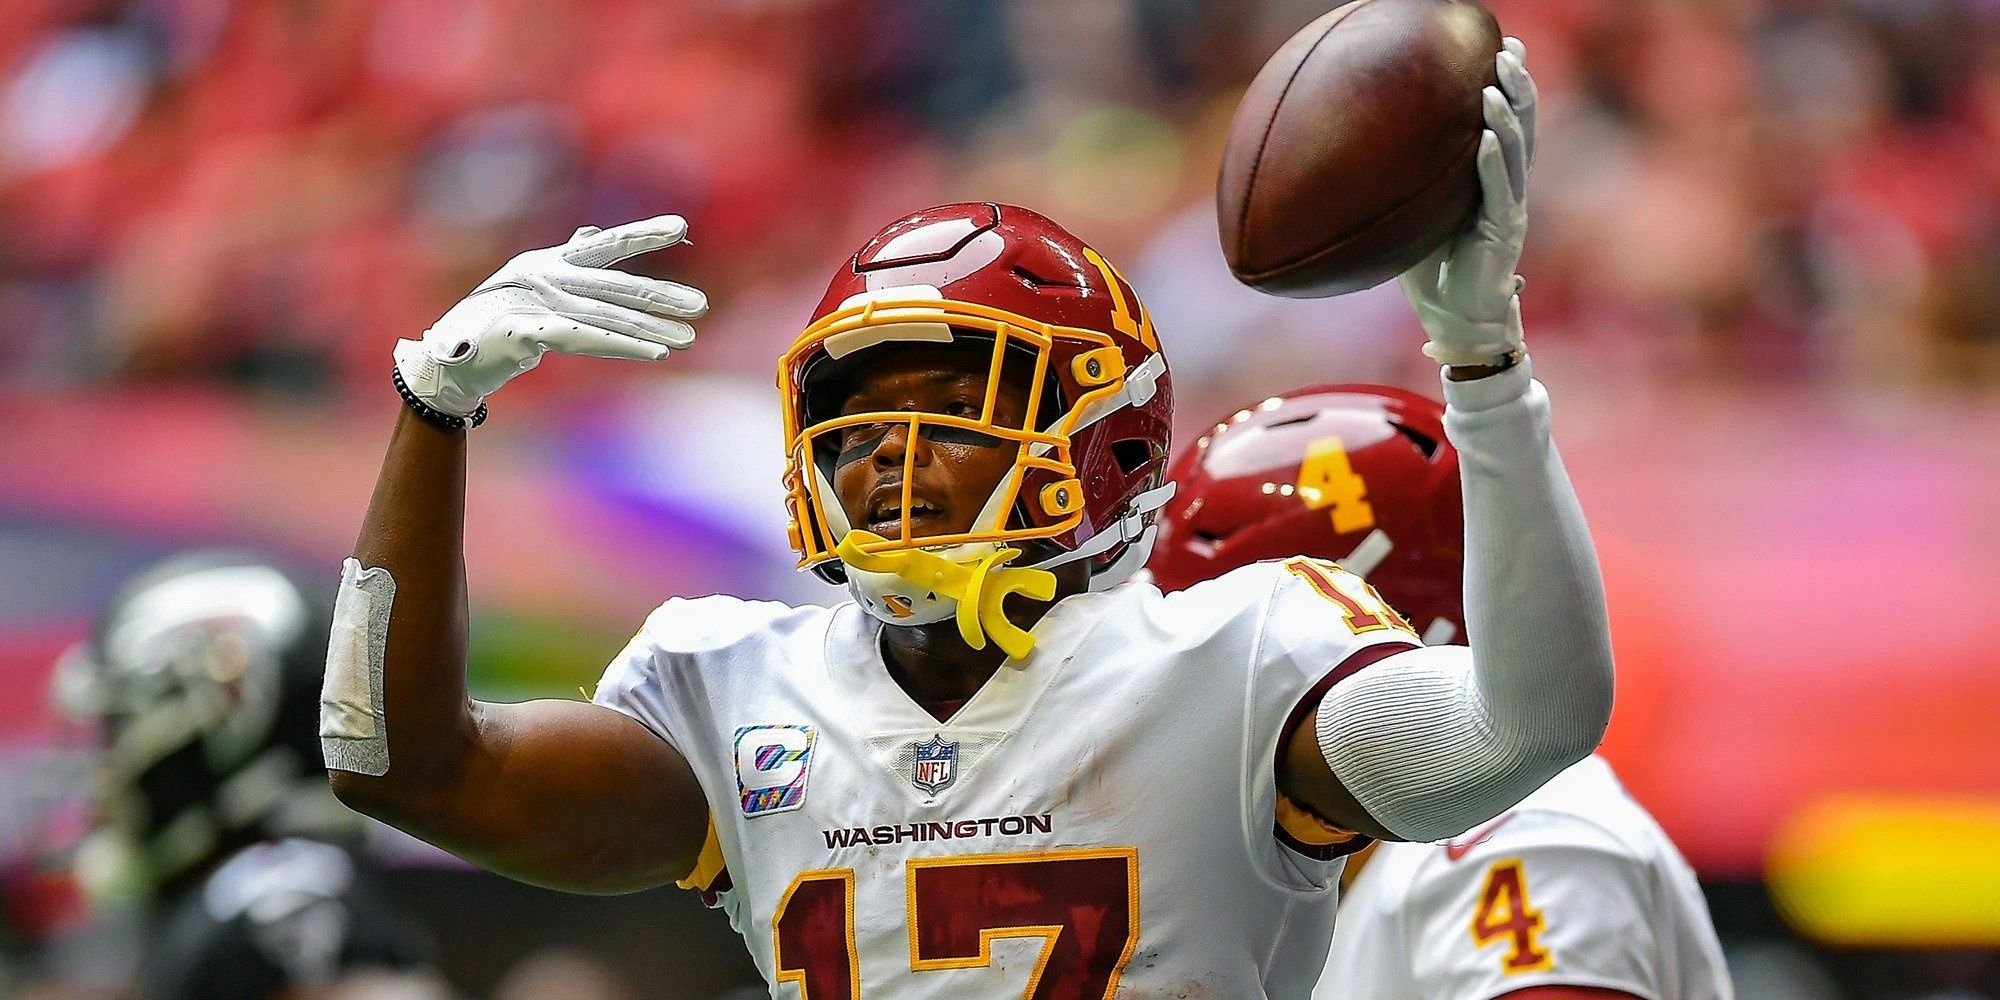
855 666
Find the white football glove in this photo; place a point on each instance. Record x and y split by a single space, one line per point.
564 299
1466 293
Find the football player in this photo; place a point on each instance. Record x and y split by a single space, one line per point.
201 682
998 770
1574 893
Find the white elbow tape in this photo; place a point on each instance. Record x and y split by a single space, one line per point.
352 732
1416 745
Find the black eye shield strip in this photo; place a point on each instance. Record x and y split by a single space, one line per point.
865 445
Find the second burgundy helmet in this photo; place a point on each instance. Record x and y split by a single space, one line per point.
1361 475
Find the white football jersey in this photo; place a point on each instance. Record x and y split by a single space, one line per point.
1097 820
1576 886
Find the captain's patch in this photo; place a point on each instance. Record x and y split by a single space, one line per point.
771 766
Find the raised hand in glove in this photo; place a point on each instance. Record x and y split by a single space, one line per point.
1466 293
564 299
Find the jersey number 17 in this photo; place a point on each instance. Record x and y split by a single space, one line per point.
1082 904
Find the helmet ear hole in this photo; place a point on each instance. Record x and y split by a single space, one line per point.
1424 442
1132 454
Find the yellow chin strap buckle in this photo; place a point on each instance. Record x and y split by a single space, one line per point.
980 588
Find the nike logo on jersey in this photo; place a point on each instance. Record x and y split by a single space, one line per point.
1456 849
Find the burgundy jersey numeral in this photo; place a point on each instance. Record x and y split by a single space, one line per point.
1504 914
1082 904
813 936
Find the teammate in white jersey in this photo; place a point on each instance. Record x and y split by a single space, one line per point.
1574 893
998 771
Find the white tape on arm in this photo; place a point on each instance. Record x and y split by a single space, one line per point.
352 732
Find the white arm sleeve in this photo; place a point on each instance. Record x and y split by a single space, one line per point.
1436 740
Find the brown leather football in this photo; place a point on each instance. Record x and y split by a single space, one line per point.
1352 154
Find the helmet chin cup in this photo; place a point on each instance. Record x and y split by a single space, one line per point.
897 601
969 583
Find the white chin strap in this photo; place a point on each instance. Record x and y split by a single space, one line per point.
899 601
977 589
1131 530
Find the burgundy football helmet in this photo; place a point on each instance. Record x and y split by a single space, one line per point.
1090 459
1358 474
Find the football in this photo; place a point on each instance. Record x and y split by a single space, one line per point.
1351 155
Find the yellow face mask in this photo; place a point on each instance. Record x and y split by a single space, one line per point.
819 526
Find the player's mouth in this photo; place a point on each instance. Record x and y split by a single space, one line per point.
885 517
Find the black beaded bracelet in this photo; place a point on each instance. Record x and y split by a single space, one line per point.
448 421
1500 363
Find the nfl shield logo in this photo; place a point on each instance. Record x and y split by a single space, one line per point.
934 765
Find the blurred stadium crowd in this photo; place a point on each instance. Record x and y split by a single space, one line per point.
259 191
249 199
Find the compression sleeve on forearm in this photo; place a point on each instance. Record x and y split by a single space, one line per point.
1436 740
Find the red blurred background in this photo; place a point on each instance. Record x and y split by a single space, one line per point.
1764 288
